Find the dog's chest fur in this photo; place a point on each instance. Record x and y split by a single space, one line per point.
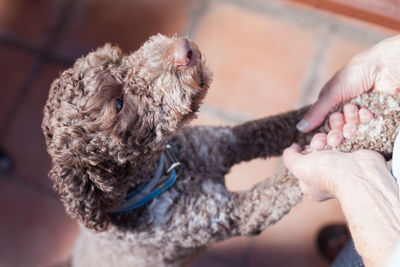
175 224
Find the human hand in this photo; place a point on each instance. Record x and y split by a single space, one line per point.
365 189
324 174
378 68
343 125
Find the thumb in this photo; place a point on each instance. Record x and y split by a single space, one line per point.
292 158
352 80
316 114
329 97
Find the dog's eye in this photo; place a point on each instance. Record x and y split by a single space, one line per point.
118 104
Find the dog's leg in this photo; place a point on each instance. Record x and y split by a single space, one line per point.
220 214
266 137
211 213
219 148
268 201
252 211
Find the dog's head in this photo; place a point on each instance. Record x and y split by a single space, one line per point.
109 114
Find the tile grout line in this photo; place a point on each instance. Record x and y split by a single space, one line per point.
313 74
220 259
23 91
13 42
36 67
34 187
42 51
195 15
308 18
66 10
42 56
246 257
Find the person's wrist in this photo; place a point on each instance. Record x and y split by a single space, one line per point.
368 201
358 181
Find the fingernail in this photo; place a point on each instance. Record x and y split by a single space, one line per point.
302 125
318 143
334 138
349 130
336 120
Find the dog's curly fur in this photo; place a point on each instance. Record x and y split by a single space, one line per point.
99 153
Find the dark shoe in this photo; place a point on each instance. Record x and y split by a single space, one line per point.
331 240
5 161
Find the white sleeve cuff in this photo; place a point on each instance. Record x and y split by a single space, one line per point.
394 260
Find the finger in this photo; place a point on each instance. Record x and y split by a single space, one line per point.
336 121
334 138
365 115
350 81
318 141
316 115
304 187
292 158
350 112
331 94
349 129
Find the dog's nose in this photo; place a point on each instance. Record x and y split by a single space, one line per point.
183 52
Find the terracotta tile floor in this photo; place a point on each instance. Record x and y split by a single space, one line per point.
267 57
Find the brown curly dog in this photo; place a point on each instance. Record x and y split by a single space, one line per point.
107 123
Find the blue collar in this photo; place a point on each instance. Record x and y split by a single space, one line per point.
168 169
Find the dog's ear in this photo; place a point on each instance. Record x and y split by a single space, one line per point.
86 194
87 191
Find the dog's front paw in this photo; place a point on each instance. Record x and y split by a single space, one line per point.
379 133
371 122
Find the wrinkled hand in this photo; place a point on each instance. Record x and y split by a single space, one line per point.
360 180
343 125
376 68
323 174
365 189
